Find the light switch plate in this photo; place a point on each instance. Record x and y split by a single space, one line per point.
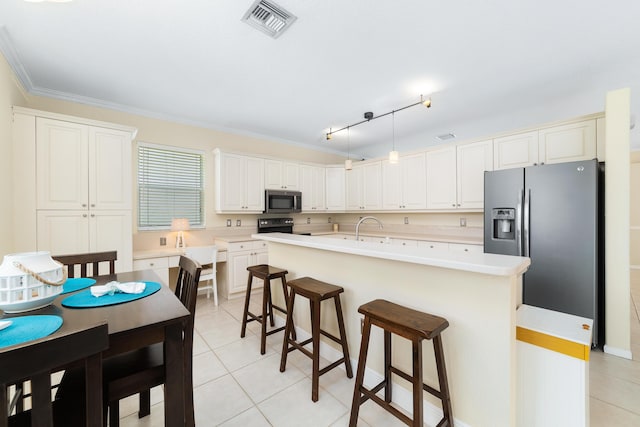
228 223
163 241
463 222
238 222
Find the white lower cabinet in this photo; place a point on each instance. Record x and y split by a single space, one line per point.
73 232
241 255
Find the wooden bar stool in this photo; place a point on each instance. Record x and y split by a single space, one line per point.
316 291
267 273
416 327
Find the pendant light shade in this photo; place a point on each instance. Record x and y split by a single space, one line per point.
393 154
348 164
393 157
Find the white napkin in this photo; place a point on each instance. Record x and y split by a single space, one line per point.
114 287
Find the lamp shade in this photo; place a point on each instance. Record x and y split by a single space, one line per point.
179 224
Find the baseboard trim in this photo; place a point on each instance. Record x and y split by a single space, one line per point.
620 352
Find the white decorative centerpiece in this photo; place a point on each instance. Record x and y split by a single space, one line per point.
29 281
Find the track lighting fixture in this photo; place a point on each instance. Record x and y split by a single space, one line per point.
368 116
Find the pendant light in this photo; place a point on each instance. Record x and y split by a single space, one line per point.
348 164
393 154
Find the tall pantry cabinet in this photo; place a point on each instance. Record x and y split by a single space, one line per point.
73 188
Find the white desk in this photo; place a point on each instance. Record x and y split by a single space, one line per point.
164 259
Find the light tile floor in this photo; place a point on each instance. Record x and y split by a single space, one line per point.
236 386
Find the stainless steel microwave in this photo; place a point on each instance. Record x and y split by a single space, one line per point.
279 202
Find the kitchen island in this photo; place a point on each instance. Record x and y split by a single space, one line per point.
477 293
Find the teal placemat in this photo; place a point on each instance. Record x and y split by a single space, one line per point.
76 283
84 299
28 328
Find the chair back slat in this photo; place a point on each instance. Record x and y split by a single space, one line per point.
36 361
83 260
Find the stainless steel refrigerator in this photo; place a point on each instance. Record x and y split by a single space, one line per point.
552 214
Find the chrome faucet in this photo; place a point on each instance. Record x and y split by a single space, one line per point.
364 218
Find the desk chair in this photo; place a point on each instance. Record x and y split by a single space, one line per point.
140 370
84 260
35 362
206 255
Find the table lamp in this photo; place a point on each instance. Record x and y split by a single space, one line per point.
180 225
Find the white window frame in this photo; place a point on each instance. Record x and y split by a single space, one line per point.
172 211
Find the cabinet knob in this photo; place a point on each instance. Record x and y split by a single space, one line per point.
152 264
458 204
84 205
93 205
93 215
84 215
454 205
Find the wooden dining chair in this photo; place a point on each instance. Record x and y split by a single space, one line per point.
36 362
92 259
140 370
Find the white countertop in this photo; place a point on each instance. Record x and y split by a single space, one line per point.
497 265
467 240
554 323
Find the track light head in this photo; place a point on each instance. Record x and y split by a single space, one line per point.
427 102
368 115
328 136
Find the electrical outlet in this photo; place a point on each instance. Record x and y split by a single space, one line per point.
308 220
463 222
329 220
406 220
238 222
228 223
163 241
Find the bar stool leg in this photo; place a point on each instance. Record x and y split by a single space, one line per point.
362 362
343 337
287 332
387 366
442 379
418 415
246 306
315 335
286 304
266 311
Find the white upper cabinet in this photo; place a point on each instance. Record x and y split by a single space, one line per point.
312 186
404 184
280 175
334 188
441 178
363 184
239 183
568 143
82 167
455 176
515 151
472 162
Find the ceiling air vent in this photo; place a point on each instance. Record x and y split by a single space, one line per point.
446 136
269 18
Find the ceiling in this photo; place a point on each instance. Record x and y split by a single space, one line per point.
489 66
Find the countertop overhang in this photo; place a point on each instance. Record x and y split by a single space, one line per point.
492 264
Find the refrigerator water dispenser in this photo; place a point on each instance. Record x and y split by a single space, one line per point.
504 227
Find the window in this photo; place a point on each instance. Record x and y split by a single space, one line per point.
170 185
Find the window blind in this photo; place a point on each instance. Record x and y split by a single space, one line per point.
170 185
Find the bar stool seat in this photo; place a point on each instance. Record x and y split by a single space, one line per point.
267 273
415 326
316 291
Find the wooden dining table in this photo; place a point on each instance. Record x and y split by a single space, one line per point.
159 317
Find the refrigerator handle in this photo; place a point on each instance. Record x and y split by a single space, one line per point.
519 223
527 212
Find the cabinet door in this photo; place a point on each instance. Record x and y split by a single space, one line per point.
280 175
237 265
334 189
254 185
473 160
392 185
109 231
372 193
568 143
231 182
441 178
63 232
312 188
62 155
515 151
110 178
414 181
354 190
